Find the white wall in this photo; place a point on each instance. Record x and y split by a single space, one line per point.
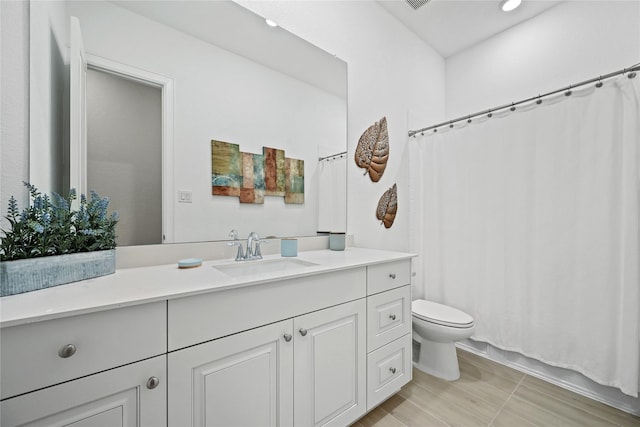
48 97
392 73
14 103
569 43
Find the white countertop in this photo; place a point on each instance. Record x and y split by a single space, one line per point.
132 286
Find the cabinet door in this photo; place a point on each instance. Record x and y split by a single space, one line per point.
244 379
330 365
124 396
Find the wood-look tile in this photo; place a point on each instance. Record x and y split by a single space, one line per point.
484 393
484 401
511 419
491 394
457 408
581 402
490 366
475 372
544 407
409 414
378 418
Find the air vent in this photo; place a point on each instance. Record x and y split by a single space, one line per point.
416 4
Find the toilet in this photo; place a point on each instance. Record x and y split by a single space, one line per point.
437 327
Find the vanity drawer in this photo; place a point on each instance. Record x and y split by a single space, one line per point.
41 354
196 319
390 275
388 369
388 316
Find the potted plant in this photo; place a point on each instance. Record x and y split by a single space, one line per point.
51 244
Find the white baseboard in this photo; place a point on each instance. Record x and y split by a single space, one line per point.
564 378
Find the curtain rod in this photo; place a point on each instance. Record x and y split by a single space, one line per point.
331 157
512 105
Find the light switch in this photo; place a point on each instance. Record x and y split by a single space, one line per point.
184 196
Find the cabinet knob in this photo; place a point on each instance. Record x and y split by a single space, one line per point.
393 370
392 316
303 332
287 337
392 275
152 383
67 351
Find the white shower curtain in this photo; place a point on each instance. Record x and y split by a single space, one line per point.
529 222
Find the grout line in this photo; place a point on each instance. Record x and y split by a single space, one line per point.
420 408
399 422
507 400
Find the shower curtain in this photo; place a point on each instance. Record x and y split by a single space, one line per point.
529 222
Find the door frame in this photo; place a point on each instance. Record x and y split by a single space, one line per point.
165 84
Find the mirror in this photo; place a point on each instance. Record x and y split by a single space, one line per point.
233 79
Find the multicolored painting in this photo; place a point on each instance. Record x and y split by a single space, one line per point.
252 176
294 183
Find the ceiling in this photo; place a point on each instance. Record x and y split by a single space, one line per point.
451 26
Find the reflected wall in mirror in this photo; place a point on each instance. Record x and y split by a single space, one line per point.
234 79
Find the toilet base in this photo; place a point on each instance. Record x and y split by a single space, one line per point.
438 359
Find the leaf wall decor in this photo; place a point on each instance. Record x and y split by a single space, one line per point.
388 206
372 151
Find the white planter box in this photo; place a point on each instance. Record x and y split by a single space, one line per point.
26 275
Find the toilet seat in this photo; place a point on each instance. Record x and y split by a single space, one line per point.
440 314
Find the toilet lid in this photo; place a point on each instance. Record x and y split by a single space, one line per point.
441 314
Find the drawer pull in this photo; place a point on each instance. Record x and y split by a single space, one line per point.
392 316
67 351
303 332
393 276
287 337
152 383
393 370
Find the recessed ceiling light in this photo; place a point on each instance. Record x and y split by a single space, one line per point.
509 5
270 23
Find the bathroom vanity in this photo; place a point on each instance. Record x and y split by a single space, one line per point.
316 341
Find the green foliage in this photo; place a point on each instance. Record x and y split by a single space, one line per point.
51 227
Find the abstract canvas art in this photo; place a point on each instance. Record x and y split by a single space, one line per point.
250 176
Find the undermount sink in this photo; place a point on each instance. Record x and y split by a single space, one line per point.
251 268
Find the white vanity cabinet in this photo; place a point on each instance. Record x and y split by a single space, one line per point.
315 347
103 368
306 370
389 364
244 379
330 365
132 395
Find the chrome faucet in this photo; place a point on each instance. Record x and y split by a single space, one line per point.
253 246
251 252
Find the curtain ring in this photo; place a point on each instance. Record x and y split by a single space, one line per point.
568 92
599 84
451 125
469 119
539 101
631 74
489 115
513 107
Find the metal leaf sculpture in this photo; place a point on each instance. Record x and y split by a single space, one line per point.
372 152
388 206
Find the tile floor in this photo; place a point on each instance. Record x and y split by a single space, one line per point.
490 394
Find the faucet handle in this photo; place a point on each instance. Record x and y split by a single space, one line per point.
240 253
257 252
236 237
